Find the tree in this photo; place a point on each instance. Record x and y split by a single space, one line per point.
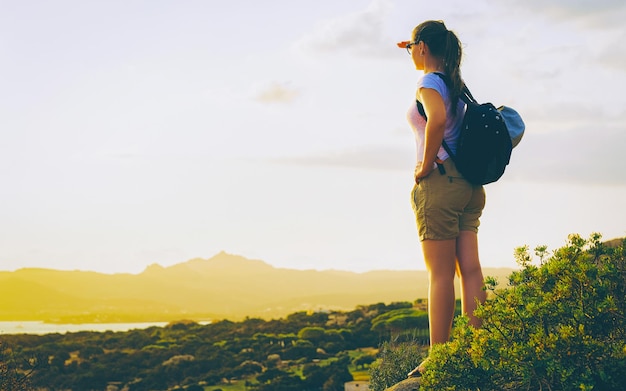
338 374
301 348
363 361
313 334
328 377
247 368
400 321
274 379
90 351
11 379
59 359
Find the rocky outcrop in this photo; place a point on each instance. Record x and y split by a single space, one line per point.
410 384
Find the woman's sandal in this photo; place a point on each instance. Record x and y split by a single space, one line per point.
419 370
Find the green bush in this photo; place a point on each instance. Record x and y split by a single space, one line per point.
395 361
561 325
402 319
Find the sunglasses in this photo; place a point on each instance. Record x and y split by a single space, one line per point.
410 45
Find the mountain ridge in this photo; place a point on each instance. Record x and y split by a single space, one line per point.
224 286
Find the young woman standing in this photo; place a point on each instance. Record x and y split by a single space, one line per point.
447 207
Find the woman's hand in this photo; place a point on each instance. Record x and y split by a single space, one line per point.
422 172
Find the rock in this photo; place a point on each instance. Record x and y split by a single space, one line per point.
410 384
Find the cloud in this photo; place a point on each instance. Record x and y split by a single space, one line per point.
277 93
360 33
597 13
364 157
581 155
564 116
586 155
111 154
600 23
613 54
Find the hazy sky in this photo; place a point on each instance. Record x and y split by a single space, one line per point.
138 132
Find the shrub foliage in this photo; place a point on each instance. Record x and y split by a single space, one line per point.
395 361
12 377
560 325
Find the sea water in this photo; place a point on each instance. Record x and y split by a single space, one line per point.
36 327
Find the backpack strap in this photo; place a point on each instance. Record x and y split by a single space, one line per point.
467 96
445 146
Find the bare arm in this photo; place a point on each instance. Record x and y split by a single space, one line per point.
435 126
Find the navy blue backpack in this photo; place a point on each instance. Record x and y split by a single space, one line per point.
486 142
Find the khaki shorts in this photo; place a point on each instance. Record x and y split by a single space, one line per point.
446 204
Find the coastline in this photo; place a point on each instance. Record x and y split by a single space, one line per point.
42 327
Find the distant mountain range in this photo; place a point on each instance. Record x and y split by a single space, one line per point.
225 286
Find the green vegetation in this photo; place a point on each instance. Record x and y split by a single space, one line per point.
13 377
561 325
304 351
395 361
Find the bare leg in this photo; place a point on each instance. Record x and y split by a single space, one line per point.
471 275
440 259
